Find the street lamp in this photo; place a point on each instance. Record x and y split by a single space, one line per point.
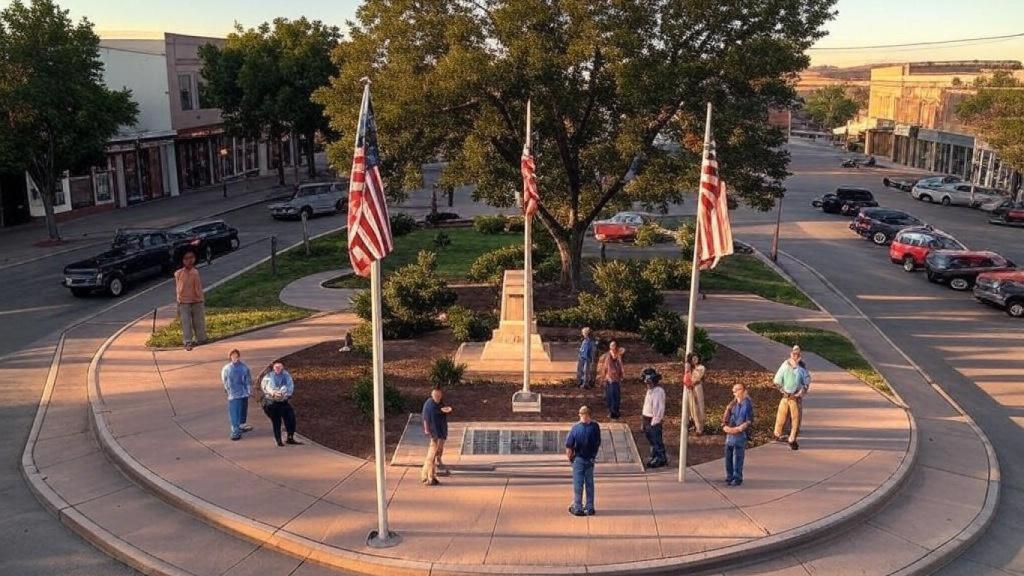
223 171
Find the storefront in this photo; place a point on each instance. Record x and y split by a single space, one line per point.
989 171
142 171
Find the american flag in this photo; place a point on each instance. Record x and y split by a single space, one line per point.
714 239
369 229
531 197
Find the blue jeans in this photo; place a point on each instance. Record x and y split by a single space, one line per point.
734 462
656 439
582 475
238 411
612 395
581 372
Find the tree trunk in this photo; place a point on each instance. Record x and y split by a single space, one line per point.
451 196
46 183
311 154
280 161
570 249
293 143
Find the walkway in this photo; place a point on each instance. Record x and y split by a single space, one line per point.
161 416
309 292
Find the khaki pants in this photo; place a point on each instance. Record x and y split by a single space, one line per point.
193 322
788 407
696 408
432 460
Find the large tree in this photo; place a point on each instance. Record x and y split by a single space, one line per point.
56 113
833 106
996 113
263 79
619 89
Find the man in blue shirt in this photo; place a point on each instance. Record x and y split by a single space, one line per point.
581 447
585 363
237 381
739 416
435 425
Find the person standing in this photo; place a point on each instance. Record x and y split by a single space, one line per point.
693 377
435 425
581 448
653 414
739 416
237 381
793 381
278 388
585 361
612 373
188 289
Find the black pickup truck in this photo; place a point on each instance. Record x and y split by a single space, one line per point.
134 255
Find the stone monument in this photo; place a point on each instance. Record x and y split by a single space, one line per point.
506 341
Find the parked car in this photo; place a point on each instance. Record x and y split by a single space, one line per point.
207 239
312 199
963 194
922 189
134 255
911 246
1012 216
845 200
880 225
619 228
1002 289
999 206
960 268
905 184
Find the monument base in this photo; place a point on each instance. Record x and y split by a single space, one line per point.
559 365
523 401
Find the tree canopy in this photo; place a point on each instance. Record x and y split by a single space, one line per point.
996 113
619 92
833 106
56 113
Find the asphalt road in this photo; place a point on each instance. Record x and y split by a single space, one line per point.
974 352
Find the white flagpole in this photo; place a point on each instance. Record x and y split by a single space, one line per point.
382 537
691 314
527 270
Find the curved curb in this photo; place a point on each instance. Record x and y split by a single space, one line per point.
952 548
286 542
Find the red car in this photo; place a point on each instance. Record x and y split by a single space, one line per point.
960 268
619 228
911 246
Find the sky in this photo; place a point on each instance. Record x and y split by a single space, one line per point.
858 23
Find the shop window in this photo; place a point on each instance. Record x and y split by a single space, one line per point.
104 190
202 97
185 86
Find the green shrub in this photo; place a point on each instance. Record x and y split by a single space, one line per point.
491 266
402 224
412 298
573 316
648 235
703 345
624 298
445 373
544 246
665 331
668 274
469 326
516 224
685 237
549 270
362 338
436 217
442 240
490 224
362 397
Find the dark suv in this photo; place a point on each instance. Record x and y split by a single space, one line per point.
960 268
207 239
845 200
880 225
1002 289
134 255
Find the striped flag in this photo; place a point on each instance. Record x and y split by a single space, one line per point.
531 197
714 238
369 229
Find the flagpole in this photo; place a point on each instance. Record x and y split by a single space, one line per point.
382 537
691 314
527 270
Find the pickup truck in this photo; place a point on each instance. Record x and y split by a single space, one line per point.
134 255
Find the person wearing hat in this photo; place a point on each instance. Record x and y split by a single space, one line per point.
581 448
653 414
585 362
793 380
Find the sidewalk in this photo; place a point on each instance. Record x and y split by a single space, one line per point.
163 421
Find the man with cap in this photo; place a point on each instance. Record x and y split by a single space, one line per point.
581 448
653 414
793 381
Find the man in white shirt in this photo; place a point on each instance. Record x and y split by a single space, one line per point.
653 415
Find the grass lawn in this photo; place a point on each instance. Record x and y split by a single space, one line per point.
453 261
831 346
224 322
745 273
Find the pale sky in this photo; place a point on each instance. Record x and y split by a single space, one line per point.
858 23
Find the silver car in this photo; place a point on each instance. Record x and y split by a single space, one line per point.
312 199
964 194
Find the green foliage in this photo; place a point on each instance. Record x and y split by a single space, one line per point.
703 345
436 217
56 112
445 373
665 331
362 397
832 106
450 80
666 274
491 266
548 270
996 113
402 224
648 235
686 236
516 224
490 224
412 298
743 273
362 338
469 326
624 298
442 240
225 322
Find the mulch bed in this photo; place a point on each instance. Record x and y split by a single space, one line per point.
324 378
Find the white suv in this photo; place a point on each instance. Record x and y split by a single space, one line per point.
311 199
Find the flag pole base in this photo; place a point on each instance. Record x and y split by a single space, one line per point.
523 401
374 541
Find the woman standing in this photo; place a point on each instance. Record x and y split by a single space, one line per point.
693 377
